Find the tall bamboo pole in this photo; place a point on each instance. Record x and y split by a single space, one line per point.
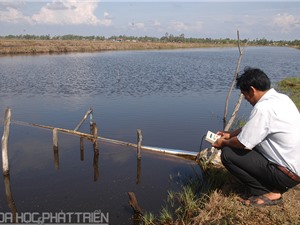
241 53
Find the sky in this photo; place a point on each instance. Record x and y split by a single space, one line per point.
273 20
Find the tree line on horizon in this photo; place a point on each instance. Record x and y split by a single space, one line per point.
166 38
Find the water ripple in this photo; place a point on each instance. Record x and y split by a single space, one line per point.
134 73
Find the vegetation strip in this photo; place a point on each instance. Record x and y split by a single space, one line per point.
30 44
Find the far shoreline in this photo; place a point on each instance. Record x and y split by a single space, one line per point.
19 46
32 47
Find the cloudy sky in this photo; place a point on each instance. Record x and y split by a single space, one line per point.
273 20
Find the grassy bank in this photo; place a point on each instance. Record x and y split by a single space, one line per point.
291 86
215 199
17 46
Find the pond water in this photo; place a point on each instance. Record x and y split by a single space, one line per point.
173 96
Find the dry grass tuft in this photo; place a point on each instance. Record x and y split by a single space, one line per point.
221 209
225 208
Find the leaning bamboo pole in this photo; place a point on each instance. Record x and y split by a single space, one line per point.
234 113
89 112
176 152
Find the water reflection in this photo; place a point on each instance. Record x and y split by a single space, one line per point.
9 198
138 172
95 164
81 149
56 157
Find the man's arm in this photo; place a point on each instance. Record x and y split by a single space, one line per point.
235 133
228 135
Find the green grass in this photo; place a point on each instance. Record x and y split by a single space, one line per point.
291 86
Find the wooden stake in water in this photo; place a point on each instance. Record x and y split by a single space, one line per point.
95 135
55 139
139 142
96 151
134 204
5 166
55 148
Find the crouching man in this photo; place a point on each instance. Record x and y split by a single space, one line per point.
265 153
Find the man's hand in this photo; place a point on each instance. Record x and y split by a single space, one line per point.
224 134
231 142
219 143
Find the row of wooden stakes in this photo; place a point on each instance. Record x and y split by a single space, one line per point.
93 137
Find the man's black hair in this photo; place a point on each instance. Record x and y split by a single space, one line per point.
253 77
